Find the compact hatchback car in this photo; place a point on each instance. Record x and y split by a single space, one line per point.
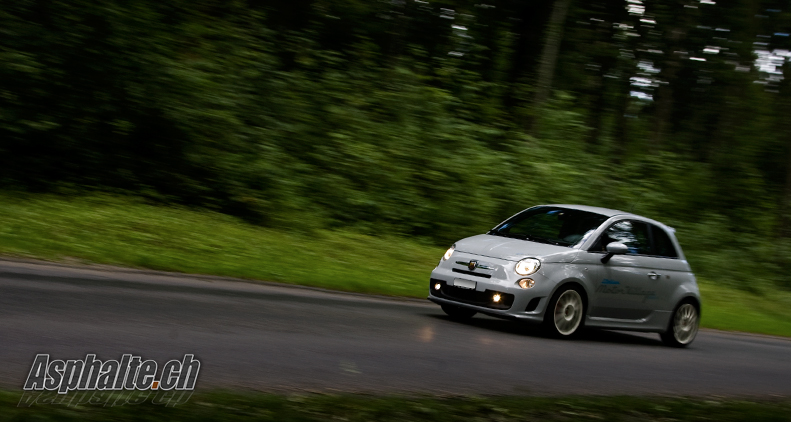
569 266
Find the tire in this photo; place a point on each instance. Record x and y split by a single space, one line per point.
683 326
565 315
458 313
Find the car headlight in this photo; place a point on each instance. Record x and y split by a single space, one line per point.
448 253
527 266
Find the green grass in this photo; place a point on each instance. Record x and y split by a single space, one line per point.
768 312
120 231
224 406
128 232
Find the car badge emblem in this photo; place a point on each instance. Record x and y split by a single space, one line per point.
472 265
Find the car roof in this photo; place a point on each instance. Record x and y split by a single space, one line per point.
607 212
598 210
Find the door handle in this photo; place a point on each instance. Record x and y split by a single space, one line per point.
654 276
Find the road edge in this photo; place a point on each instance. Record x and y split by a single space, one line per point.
203 277
206 277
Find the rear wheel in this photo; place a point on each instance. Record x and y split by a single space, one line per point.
683 326
563 317
458 313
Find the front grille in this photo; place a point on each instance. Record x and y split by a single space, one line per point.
471 296
472 273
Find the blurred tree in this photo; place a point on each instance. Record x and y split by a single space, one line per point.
409 116
549 54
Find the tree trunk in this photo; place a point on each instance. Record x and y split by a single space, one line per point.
664 109
785 223
621 134
549 56
664 95
595 115
784 127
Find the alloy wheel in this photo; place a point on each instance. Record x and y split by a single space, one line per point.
568 312
685 323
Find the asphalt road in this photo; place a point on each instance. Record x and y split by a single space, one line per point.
276 338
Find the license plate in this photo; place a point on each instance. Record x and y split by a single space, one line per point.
464 284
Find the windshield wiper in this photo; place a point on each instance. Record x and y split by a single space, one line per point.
528 237
511 235
516 236
545 240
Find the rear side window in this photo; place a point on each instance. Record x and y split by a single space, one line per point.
663 246
634 234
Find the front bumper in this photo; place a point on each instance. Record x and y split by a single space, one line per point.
534 319
515 302
484 299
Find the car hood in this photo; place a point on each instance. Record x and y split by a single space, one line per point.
514 249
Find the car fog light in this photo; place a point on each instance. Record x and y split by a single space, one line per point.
496 297
526 283
437 286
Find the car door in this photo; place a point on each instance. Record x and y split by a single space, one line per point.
626 287
667 271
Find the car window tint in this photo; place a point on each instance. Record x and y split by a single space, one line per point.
663 246
543 225
633 234
553 225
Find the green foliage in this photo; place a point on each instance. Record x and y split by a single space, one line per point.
353 115
226 406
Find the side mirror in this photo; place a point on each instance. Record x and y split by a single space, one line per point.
614 248
617 248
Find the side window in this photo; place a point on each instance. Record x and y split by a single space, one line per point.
633 234
663 246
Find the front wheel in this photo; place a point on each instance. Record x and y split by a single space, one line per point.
458 313
683 326
563 317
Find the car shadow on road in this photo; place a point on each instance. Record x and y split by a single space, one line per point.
523 329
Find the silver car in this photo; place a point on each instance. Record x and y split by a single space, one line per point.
569 266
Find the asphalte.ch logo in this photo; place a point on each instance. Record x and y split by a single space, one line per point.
130 373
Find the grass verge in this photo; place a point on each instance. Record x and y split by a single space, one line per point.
128 232
227 406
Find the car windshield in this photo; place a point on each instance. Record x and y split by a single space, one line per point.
553 225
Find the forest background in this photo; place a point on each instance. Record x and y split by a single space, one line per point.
414 120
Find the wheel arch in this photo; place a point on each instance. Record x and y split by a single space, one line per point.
572 282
